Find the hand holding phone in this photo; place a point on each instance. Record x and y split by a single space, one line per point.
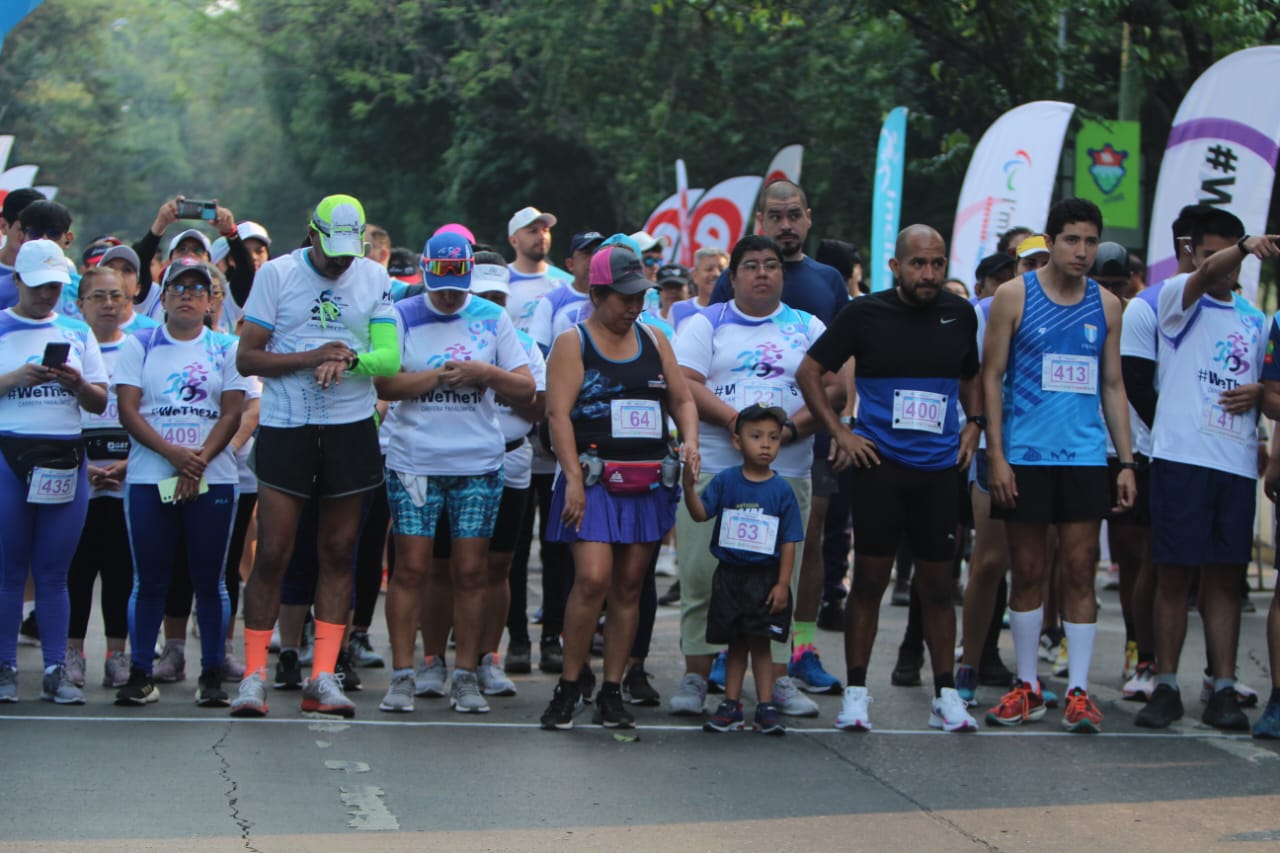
55 353
189 208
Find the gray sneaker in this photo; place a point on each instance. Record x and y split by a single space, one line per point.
8 683
322 694
493 678
399 698
115 672
251 698
58 689
172 665
690 697
361 650
791 701
75 666
464 694
429 678
232 668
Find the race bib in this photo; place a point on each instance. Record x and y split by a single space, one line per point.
919 410
759 393
1073 374
636 418
110 415
748 531
52 486
182 434
1216 421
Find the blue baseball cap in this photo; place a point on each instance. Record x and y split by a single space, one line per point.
446 262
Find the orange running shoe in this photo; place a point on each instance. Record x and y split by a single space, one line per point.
1023 704
1081 716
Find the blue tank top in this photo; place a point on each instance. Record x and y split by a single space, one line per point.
1051 406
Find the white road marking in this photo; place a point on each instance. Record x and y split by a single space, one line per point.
368 812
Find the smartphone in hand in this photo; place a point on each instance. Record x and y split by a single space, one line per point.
194 209
55 354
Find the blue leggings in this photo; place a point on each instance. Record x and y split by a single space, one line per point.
153 533
42 539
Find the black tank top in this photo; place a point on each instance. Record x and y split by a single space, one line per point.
622 407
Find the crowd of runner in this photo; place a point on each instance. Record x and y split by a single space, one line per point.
345 410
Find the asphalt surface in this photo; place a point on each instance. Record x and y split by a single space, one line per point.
172 776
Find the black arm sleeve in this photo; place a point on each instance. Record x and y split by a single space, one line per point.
146 250
239 276
1140 386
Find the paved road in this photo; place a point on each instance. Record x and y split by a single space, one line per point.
175 777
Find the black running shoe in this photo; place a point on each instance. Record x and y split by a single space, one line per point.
993 673
907 671
552 660
519 659
831 616
209 692
1162 710
637 690
139 690
288 671
564 701
351 681
29 631
611 712
1223 712
671 596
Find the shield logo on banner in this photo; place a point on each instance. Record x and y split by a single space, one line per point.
1108 167
1091 333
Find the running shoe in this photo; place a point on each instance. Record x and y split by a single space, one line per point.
853 714
29 631
322 694
586 684
564 702
1142 686
831 616
344 669
1130 661
726 718
967 685
464 693
360 650
671 596
1111 577
1050 698
8 683
790 701
138 690
288 671
232 668
690 698
75 666
906 672
807 672
1022 704
58 689
519 658
429 678
493 679
172 665
1082 715
950 713
901 596
251 696
715 681
551 656
1048 650
1268 725
1223 712
611 712
1162 710
1060 659
768 720
399 698
637 689
992 672
209 692
115 670
273 645
1246 696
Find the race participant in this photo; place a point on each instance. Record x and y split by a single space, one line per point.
1051 372
733 354
916 364
844 257
1033 253
673 287
192 242
1009 240
1204 462
529 233
105 304
55 369
650 255
610 386
318 325
444 454
557 311
180 398
993 271
11 229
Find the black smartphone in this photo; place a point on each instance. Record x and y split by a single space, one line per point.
55 353
193 209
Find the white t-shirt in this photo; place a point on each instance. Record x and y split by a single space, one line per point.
450 431
182 385
1140 338
517 465
47 409
304 310
248 479
554 313
1205 350
526 292
748 360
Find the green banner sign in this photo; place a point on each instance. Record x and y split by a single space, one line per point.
1108 158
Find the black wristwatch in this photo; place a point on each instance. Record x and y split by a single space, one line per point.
1128 466
790 424
978 420
1240 245
353 362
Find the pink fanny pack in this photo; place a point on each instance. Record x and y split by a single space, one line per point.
631 478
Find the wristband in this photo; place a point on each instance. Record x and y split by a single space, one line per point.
353 362
795 433
980 421
1240 245
1128 466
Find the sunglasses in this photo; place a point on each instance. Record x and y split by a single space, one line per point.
194 289
652 261
42 234
447 267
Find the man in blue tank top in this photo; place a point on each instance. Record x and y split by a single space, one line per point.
1051 372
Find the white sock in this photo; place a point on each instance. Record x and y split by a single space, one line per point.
1026 627
1079 653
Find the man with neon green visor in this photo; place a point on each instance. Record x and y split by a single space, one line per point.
319 326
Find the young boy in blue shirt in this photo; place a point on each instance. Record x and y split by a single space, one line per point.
757 527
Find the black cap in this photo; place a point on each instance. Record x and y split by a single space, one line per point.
993 265
584 240
672 274
760 412
1112 261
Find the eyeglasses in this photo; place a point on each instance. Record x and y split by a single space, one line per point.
447 267
115 297
751 267
179 288
652 261
42 234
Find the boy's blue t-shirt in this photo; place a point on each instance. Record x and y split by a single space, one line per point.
729 492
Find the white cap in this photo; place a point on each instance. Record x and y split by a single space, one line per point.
190 232
646 241
527 216
41 262
491 278
250 229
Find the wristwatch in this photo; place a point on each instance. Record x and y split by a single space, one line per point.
1240 245
1128 466
353 362
978 420
790 424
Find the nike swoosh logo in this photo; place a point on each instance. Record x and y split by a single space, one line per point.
945 322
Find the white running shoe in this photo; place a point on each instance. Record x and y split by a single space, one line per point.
1142 686
853 714
791 701
950 713
429 678
690 698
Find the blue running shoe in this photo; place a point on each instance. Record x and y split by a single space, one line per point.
1268 725
727 718
1050 698
967 685
806 671
715 681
